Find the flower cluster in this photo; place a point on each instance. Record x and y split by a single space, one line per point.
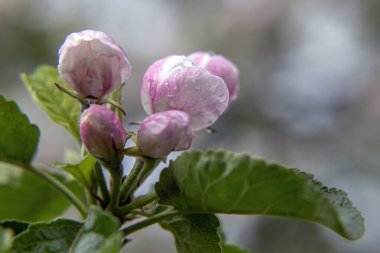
181 94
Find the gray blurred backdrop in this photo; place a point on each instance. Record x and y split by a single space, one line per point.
310 92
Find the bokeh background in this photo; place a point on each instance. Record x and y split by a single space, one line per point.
310 92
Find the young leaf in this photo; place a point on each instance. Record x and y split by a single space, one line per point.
116 96
17 226
81 171
111 244
25 196
61 108
18 137
233 249
194 233
71 156
100 234
223 182
52 237
5 240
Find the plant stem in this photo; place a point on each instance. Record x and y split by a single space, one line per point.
102 183
131 179
133 151
116 177
149 221
149 165
114 104
138 203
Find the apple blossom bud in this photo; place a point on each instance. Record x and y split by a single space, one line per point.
93 64
175 83
164 132
103 134
220 66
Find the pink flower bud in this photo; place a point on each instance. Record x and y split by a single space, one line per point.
93 64
219 66
164 132
103 134
175 83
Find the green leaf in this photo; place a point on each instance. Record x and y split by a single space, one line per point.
60 107
25 196
18 138
17 226
5 240
116 96
233 249
52 237
71 156
81 171
223 182
194 233
100 234
111 245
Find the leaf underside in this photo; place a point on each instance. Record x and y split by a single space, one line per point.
53 237
99 234
194 233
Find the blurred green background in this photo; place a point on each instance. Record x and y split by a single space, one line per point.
310 91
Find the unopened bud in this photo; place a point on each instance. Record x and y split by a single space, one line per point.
93 64
103 134
175 83
164 132
220 66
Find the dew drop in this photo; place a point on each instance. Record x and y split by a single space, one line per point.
187 63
